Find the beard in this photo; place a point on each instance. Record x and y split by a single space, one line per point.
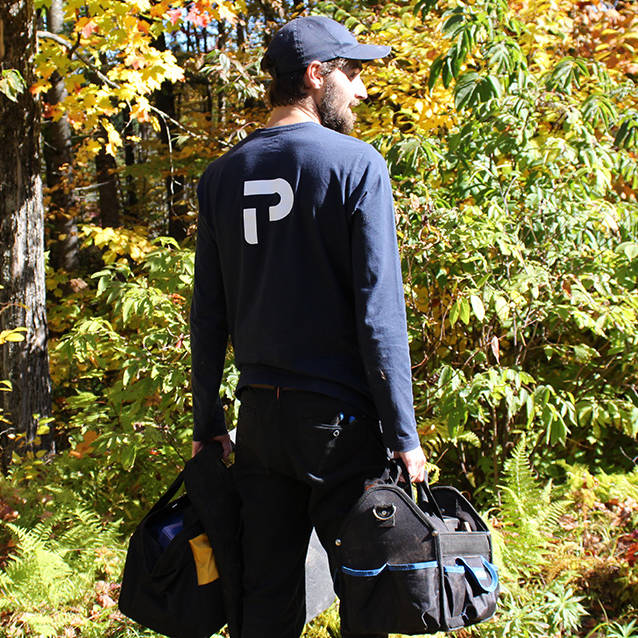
332 112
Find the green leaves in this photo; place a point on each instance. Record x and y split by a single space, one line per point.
598 109
446 66
627 133
473 89
477 307
461 310
567 75
501 308
629 249
504 56
12 84
424 6
467 27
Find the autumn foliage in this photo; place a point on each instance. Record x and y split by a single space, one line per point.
511 134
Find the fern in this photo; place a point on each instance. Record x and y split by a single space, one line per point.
37 573
530 516
52 572
438 434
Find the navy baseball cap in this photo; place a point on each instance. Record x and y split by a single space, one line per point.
310 38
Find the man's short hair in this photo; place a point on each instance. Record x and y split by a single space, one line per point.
288 88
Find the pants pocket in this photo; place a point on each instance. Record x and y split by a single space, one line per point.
394 598
323 451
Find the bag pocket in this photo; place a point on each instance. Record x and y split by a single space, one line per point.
471 588
393 598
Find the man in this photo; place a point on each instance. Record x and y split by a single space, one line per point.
297 261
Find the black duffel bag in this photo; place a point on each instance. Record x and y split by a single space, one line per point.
171 581
414 567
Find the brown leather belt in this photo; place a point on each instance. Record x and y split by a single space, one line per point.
265 386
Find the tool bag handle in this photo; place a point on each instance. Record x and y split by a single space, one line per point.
424 497
168 495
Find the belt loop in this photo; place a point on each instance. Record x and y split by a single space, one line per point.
278 393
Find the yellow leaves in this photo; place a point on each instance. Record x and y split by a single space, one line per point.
201 12
73 82
89 149
116 39
135 60
113 141
84 447
172 71
144 70
14 335
86 27
140 110
421 299
548 27
226 11
399 87
159 9
40 86
118 242
241 5
611 33
155 124
141 5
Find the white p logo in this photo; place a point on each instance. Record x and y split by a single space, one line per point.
277 186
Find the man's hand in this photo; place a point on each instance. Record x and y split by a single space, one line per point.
224 439
415 462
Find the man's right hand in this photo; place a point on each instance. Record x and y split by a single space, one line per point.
415 463
224 439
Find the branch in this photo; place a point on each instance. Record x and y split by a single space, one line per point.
72 49
166 116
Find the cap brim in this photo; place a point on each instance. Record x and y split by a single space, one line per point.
365 52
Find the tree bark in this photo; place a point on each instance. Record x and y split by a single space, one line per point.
22 298
129 160
108 199
177 206
58 159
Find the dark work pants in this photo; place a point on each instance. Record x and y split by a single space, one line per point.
295 468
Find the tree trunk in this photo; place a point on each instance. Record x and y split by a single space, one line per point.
129 160
22 298
177 206
58 159
109 203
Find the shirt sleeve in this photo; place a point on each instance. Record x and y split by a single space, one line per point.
209 331
380 306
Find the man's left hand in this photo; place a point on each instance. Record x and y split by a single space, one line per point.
414 462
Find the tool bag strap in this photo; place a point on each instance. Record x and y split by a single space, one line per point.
168 495
424 496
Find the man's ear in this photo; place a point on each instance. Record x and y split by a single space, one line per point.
313 79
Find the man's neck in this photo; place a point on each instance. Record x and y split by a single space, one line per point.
294 114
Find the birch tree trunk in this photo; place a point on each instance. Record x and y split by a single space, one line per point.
58 158
22 298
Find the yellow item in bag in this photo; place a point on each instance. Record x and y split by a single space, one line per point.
204 559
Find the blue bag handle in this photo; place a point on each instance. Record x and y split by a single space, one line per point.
471 574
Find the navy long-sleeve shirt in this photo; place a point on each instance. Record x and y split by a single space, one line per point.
297 262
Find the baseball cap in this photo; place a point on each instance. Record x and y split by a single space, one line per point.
310 38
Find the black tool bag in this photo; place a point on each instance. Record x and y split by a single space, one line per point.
171 580
414 567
